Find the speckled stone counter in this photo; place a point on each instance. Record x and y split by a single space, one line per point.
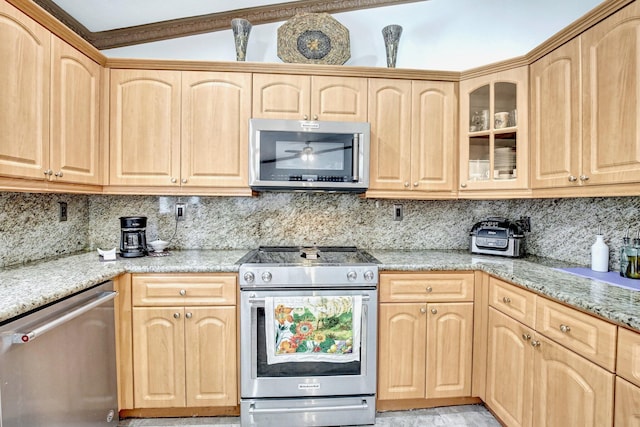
25 288
614 303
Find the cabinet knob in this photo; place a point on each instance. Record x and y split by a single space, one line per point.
584 178
48 172
535 343
463 185
174 180
58 174
526 337
415 184
434 311
315 117
506 300
565 328
176 315
429 289
423 310
188 315
183 292
406 184
183 180
572 178
305 117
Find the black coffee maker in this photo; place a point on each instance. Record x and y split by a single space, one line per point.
133 236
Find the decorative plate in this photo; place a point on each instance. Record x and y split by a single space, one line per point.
313 38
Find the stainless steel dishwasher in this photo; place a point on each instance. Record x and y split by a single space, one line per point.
57 364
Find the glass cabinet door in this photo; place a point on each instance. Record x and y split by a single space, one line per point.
492 152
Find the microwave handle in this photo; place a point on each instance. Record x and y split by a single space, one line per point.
356 157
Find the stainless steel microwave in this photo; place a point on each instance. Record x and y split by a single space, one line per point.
295 155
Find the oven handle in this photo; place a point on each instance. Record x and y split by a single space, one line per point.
355 152
260 301
253 410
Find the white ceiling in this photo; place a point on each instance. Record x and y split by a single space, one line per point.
452 35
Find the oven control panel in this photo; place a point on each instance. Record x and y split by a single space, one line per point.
260 275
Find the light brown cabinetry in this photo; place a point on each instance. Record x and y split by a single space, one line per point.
300 97
49 110
25 59
611 98
627 409
75 154
532 380
184 340
412 138
425 342
494 147
179 129
555 118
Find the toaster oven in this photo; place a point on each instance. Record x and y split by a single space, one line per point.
499 236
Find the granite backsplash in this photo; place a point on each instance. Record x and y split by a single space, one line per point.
563 229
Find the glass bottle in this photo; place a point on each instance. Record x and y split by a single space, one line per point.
632 255
624 259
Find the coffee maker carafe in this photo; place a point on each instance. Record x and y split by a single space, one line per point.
133 238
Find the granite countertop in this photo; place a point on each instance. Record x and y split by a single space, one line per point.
25 288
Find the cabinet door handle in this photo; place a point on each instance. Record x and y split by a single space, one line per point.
305 117
584 178
174 180
406 184
565 328
176 315
315 117
535 343
183 292
58 174
415 184
184 180
429 289
463 185
572 178
434 311
48 172
188 315
526 337
423 310
506 300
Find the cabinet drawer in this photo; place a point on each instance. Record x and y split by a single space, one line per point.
592 338
183 289
628 365
513 301
417 287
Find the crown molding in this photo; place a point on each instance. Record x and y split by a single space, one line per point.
207 23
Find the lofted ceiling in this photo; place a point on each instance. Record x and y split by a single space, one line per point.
115 23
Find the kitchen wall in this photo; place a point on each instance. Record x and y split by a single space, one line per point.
563 229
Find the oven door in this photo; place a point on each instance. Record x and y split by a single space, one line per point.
296 379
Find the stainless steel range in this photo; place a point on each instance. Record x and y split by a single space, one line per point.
308 322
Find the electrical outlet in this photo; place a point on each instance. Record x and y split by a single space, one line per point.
62 211
181 211
398 212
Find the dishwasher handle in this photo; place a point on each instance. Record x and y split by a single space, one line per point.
27 337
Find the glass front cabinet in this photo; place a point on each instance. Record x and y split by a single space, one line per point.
493 133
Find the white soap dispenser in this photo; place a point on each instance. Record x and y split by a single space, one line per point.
600 254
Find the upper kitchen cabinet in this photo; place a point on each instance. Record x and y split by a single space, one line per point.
25 69
412 138
300 97
216 108
555 118
611 99
145 127
186 130
75 154
493 135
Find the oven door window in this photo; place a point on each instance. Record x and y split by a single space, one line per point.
296 369
306 156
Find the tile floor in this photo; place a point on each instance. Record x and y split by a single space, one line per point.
453 416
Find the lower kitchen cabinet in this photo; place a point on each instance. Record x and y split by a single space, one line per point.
509 370
627 411
533 381
425 348
184 341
